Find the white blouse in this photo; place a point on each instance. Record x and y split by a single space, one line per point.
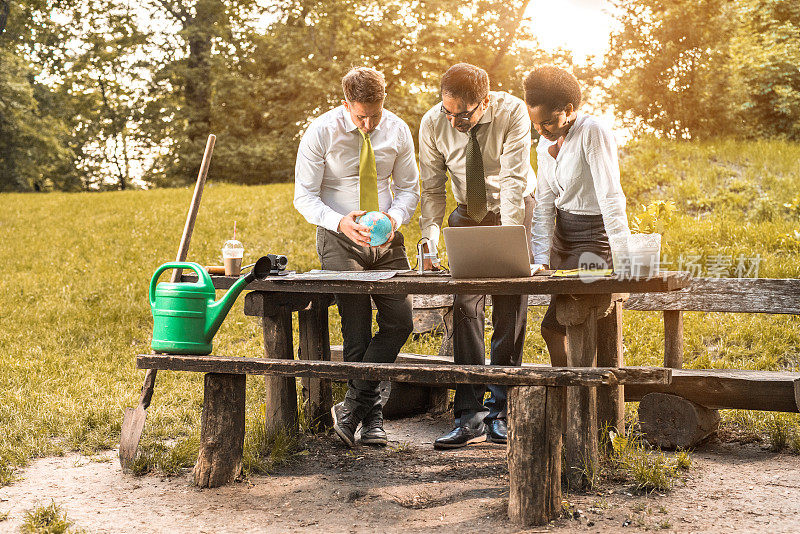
583 179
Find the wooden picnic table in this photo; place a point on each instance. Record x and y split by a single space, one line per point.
589 307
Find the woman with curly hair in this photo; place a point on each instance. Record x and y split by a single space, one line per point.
579 199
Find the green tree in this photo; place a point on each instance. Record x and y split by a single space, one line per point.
34 148
669 68
766 55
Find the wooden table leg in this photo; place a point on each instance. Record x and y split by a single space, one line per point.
534 453
610 399
315 345
219 461
281 392
673 339
581 445
580 313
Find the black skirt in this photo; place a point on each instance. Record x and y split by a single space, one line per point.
578 241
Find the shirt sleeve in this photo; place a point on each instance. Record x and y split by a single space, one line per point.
308 173
433 178
601 155
405 180
515 161
544 214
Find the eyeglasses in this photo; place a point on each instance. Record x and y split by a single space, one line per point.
463 116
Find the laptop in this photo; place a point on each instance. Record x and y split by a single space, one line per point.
488 251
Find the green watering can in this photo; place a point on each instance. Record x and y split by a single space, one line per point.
187 315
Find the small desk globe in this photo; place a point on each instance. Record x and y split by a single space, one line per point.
380 227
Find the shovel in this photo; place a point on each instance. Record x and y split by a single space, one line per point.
133 420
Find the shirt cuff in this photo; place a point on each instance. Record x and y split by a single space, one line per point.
543 259
397 214
331 221
432 233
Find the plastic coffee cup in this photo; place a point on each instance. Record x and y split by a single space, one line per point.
232 254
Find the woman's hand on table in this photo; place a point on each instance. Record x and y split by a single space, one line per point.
536 267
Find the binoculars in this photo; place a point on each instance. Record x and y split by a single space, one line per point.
271 264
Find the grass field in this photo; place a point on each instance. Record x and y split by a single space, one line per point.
76 268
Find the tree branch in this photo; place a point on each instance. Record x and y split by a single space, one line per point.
509 40
180 14
4 9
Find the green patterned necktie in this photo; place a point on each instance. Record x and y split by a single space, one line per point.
367 176
476 180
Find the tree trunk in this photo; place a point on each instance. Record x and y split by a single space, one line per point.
4 9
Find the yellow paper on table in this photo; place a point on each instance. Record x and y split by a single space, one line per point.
583 273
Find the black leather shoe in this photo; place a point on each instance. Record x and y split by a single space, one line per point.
497 431
461 436
345 423
372 432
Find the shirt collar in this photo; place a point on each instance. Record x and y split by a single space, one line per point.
350 126
488 115
579 118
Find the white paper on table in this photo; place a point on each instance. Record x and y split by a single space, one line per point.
360 276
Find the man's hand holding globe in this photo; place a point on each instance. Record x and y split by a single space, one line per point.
368 229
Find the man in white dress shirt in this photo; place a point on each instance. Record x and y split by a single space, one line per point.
356 158
482 139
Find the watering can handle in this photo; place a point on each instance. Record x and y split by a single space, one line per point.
174 265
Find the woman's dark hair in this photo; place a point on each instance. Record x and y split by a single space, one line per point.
466 82
552 87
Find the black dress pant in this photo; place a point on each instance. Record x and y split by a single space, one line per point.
338 253
509 316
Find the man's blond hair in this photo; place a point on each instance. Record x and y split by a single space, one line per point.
364 85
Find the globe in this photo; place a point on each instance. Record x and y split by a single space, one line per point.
380 227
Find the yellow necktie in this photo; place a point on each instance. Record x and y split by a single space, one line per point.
368 176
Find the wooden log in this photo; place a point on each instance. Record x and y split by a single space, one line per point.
727 389
281 393
534 454
315 345
670 422
673 339
797 393
219 460
610 399
414 373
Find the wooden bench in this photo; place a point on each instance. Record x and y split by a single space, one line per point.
536 400
706 390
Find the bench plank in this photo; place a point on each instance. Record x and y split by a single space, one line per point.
735 295
414 373
728 389
732 388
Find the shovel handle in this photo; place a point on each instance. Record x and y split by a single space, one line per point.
147 388
188 228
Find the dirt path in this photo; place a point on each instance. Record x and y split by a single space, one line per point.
407 487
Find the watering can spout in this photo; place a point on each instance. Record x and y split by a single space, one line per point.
217 311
